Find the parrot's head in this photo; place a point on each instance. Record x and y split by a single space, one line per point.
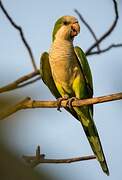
66 27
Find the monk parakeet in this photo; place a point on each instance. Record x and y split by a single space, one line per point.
66 72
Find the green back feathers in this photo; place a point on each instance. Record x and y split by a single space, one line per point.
85 68
57 26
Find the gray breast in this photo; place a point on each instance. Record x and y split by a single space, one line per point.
62 61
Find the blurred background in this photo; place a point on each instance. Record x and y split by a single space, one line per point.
58 134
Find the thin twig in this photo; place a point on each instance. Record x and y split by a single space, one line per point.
88 27
29 82
40 158
105 49
18 83
108 32
21 35
28 103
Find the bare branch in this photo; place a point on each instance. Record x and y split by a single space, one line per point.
40 158
29 82
88 27
14 109
108 32
105 50
28 103
18 83
21 35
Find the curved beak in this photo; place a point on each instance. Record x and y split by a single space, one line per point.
75 29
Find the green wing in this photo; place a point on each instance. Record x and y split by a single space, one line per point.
47 78
46 74
86 112
85 68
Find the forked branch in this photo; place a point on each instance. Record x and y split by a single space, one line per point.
106 49
40 158
19 82
107 33
103 37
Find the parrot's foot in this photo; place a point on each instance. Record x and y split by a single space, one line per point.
69 102
59 100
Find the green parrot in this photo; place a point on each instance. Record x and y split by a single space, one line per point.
66 72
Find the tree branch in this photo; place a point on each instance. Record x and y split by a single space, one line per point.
18 83
88 27
21 35
107 33
40 158
28 103
106 49
29 82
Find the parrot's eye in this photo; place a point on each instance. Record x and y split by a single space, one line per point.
65 23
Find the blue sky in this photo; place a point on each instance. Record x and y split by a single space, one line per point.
58 134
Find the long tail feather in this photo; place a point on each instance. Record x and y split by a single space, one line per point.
93 137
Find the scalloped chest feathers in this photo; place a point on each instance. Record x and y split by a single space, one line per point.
63 61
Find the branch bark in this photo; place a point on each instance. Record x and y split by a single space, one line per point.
106 49
18 83
28 103
40 158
